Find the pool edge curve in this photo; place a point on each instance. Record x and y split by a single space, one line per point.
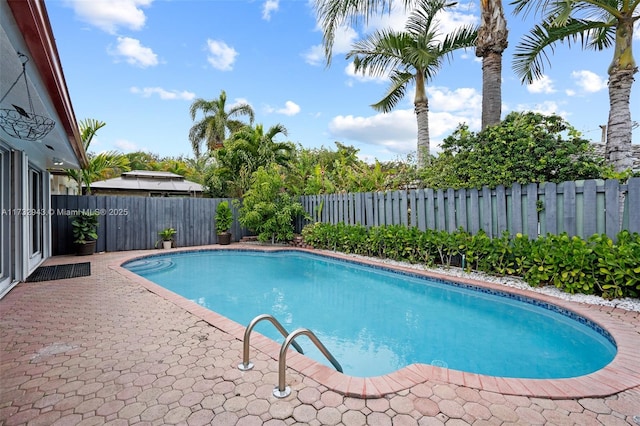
622 373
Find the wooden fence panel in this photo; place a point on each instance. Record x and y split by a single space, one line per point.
133 223
633 203
485 212
501 209
462 209
589 203
569 211
583 208
612 208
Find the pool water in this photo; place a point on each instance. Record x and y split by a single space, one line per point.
375 321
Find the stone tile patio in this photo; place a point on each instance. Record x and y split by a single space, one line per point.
105 349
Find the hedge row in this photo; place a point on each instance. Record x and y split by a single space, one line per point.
594 266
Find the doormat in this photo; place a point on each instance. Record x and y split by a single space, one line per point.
60 272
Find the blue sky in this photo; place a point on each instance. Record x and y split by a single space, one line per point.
138 64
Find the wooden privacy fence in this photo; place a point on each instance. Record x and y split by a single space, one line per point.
133 223
581 208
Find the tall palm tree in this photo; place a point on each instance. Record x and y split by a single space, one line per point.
412 56
212 128
598 24
490 44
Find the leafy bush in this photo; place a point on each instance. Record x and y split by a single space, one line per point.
267 209
223 218
525 147
593 266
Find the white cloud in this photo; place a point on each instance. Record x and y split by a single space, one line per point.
134 53
290 108
221 56
315 55
546 108
269 7
464 100
109 15
239 101
344 38
396 131
147 92
542 85
588 81
125 145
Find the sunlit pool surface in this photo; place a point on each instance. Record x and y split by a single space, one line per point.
375 321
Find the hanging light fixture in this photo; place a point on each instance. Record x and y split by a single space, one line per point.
20 123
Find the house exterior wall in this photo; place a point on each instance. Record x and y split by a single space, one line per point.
25 191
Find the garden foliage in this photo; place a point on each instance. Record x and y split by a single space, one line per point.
525 147
267 209
593 266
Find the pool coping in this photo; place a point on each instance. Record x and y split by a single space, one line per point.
622 373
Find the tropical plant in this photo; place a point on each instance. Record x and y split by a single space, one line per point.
223 218
216 120
85 227
599 25
524 148
267 208
101 166
243 153
411 57
166 234
490 44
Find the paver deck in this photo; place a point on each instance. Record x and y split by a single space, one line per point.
114 349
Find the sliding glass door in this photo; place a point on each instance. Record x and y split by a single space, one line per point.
6 234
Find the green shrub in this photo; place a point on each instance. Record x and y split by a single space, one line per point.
594 266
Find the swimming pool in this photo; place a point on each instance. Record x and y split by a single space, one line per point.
375 321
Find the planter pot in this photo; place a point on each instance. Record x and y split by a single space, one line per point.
224 239
167 244
85 249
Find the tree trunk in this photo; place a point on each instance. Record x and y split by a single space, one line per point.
621 71
491 89
421 105
422 116
492 41
618 147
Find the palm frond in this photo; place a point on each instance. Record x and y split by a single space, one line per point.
332 14
422 19
530 55
380 52
395 92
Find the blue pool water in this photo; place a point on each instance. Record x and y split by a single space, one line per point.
375 321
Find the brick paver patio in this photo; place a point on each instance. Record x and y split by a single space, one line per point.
105 350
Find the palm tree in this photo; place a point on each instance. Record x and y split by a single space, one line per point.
598 24
490 44
410 57
248 149
212 128
100 166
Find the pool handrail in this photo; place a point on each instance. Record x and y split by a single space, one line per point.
246 364
282 390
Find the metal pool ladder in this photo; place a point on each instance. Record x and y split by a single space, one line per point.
282 390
